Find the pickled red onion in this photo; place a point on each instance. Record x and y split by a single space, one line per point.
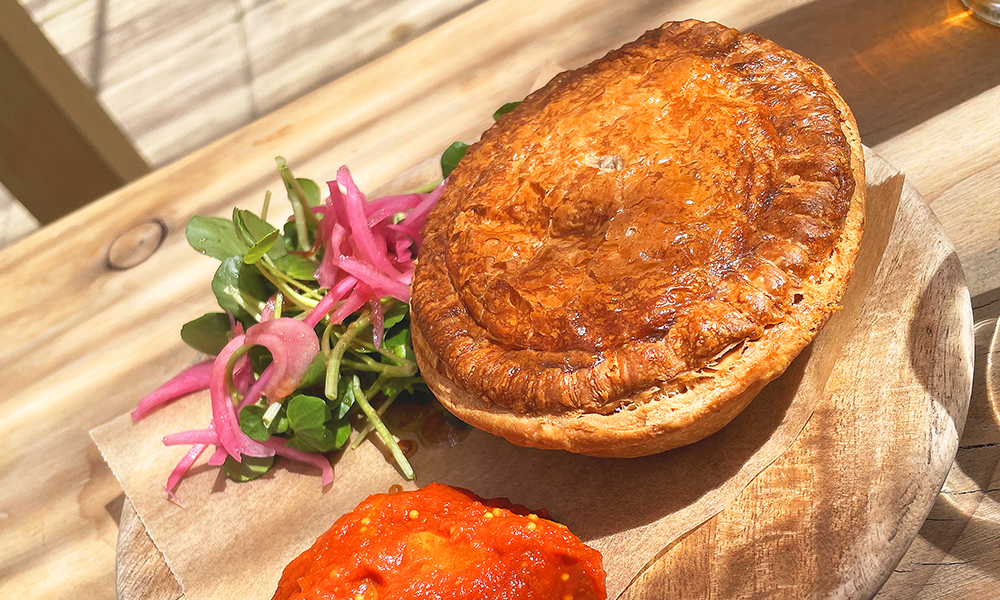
392 286
224 417
310 458
253 394
182 468
243 375
381 209
416 218
414 222
356 300
293 345
359 239
361 234
218 457
333 235
336 293
195 436
189 380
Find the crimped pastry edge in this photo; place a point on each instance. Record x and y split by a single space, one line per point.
665 420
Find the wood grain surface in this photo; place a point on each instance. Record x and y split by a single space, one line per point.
43 100
856 485
833 516
83 341
140 571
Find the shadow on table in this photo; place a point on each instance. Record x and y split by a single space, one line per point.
598 497
954 513
896 62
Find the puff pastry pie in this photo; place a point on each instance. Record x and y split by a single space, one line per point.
622 262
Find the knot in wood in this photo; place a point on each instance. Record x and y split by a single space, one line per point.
136 245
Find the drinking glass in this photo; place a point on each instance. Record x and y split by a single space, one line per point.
987 10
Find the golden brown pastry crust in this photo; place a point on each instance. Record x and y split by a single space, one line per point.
627 258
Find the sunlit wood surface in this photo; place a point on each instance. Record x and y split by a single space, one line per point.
84 341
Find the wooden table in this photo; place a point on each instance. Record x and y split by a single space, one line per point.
93 302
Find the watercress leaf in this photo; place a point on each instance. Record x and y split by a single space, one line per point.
394 315
251 468
250 229
297 267
305 220
319 439
315 439
311 189
306 412
254 229
290 234
262 247
215 237
251 423
208 333
301 442
451 157
393 387
260 358
400 343
316 373
280 425
506 108
239 288
341 429
345 398
398 385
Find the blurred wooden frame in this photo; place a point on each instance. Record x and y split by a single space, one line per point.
59 149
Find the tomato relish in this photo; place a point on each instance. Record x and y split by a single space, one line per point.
444 542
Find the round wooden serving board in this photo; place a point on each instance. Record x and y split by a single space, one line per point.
834 514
